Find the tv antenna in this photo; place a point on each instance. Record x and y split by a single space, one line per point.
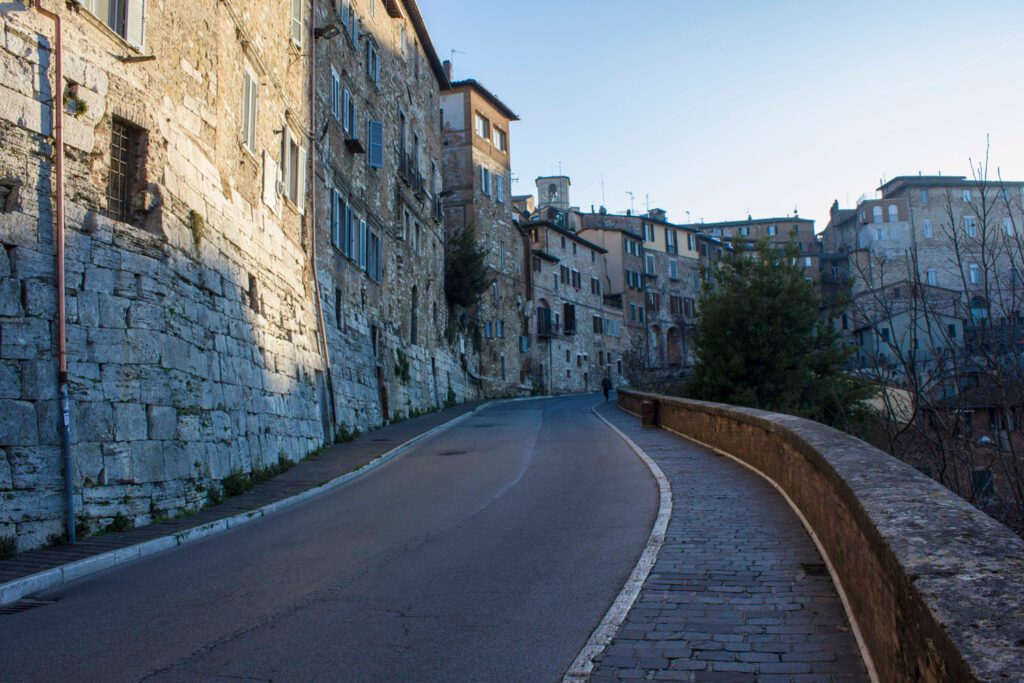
456 52
631 197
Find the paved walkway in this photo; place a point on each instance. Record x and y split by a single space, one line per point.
307 474
738 593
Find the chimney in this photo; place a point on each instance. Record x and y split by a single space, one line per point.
447 69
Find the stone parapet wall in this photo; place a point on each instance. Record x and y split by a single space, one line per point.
935 585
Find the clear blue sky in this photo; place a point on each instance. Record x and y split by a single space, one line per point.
720 107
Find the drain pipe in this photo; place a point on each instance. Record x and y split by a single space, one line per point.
62 344
311 213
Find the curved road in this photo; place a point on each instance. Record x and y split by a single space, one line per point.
488 553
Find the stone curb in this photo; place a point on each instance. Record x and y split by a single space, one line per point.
583 665
13 591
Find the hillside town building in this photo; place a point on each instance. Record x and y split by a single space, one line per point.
191 339
477 167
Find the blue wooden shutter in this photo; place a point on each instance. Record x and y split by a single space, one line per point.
376 144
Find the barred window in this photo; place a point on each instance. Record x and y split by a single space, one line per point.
124 146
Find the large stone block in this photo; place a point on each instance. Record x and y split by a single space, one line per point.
10 297
88 463
36 467
148 462
130 422
121 382
6 478
99 279
117 464
162 422
113 310
29 263
40 299
108 346
96 421
18 425
38 379
10 380
25 339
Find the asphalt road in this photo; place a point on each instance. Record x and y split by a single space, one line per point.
488 553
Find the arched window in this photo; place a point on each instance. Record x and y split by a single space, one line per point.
413 316
876 214
552 192
894 213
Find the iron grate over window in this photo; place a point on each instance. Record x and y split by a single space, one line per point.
123 143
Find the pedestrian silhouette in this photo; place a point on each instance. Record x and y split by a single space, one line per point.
606 386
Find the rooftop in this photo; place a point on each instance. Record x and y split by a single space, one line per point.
491 98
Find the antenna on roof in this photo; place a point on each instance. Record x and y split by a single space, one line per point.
455 52
631 207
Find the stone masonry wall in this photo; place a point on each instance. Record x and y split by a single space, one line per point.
191 329
934 584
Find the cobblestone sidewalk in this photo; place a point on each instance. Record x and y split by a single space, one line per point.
739 592
307 474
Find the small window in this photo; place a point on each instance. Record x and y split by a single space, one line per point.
929 230
485 181
293 156
483 126
894 213
335 95
673 269
501 139
650 263
126 142
1008 226
296 22
376 135
250 92
350 115
923 196
373 62
970 226
499 188
974 274
967 196
772 230
876 214
126 18
933 278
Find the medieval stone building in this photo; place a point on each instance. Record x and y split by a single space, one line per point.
191 332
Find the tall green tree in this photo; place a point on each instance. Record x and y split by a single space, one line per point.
465 269
766 340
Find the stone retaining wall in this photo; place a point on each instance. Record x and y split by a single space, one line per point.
935 585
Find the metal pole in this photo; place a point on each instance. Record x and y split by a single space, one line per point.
62 350
311 188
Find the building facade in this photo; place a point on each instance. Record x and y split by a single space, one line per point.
380 232
191 327
477 183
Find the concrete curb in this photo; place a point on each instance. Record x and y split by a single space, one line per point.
583 665
12 591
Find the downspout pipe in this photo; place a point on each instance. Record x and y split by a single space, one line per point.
62 344
311 213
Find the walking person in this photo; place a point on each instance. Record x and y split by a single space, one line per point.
606 386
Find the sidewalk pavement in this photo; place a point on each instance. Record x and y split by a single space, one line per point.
333 462
738 593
